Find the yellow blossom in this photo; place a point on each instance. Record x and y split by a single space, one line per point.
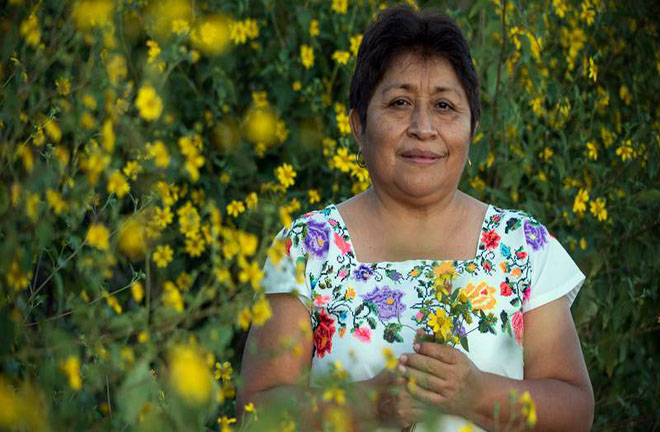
223 371
132 240
580 203
341 57
252 200
296 86
137 291
188 374
624 94
195 246
63 86
225 423
172 297
251 273
314 28
131 169
163 255
244 318
261 311
212 35
336 394
307 56
113 303
597 208
592 150
158 151
314 196
32 206
625 151
98 236
30 30
340 6
16 279
390 359
71 368
149 103
286 175
162 217
355 44
55 201
343 123
593 70
92 13
154 50
117 184
235 208
261 126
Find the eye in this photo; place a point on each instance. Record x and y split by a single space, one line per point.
444 106
399 103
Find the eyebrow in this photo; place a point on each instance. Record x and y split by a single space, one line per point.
411 87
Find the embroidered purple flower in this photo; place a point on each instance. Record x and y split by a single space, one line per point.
536 235
459 331
317 239
363 272
388 302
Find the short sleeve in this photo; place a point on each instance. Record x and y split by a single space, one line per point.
285 269
554 273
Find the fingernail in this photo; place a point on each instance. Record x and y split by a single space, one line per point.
416 346
403 359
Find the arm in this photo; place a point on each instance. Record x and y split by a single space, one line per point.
555 376
276 365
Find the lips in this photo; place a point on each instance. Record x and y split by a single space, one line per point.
421 154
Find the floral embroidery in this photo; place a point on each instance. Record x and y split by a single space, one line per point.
363 272
535 235
363 334
323 333
316 240
481 296
387 301
517 324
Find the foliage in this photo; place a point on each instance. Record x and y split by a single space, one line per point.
150 150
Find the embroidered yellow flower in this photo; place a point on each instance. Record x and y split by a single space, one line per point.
481 296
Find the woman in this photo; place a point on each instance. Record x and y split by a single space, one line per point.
365 269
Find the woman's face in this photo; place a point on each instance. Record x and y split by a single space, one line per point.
418 129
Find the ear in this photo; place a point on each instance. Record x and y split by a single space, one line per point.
356 126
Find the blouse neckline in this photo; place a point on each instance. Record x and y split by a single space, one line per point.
349 240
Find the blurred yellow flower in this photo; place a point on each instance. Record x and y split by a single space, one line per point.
132 240
98 236
252 200
163 255
244 318
580 202
131 169
30 30
285 174
235 208
162 217
137 291
307 56
118 185
251 273
188 374
224 422
314 196
63 86
625 151
172 297
149 103
592 150
343 123
314 28
16 279
260 126
71 368
340 6
341 57
92 13
593 70
212 35
154 50
223 371
261 311
158 151
55 201
390 359
116 68
296 86
355 44
624 94
195 246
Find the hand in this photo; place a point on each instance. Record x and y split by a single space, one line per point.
444 377
395 406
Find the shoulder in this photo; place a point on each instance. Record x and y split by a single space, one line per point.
519 223
310 233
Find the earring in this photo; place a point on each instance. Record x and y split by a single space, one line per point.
469 162
362 163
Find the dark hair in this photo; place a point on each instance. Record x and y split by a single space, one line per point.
401 29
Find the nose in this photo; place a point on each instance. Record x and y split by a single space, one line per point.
421 123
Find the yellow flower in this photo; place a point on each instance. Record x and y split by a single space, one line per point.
71 368
251 273
355 44
580 203
593 70
546 154
137 291
528 409
55 201
252 200
163 217
98 236
92 13
261 311
624 94
131 169
195 246
32 206
117 184
314 28
592 150
343 123
307 56
336 394
158 151
154 50
296 86
172 297
341 57
440 323
189 219
149 103
212 35
597 208
244 318
53 130
224 423
390 359
314 196
131 238
286 175
235 208
16 279
340 6
30 30
238 33
625 151
261 125
63 86
223 371
113 303
163 255
188 374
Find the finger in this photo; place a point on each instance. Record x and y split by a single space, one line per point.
427 364
422 379
425 396
444 353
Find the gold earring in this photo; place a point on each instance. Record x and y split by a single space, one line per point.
361 164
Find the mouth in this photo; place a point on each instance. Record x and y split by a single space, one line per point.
422 157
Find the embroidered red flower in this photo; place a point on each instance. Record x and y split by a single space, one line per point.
343 246
505 289
491 239
323 334
521 254
517 324
288 244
